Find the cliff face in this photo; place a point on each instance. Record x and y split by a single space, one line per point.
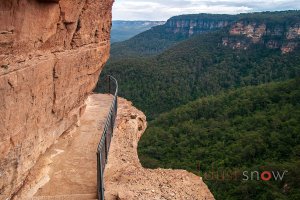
189 27
279 36
51 54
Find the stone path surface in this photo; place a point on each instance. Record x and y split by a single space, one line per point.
68 169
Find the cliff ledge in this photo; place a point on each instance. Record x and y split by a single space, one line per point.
124 176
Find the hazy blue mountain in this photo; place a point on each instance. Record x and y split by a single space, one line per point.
123 30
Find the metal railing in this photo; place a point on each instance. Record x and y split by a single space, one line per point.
104 144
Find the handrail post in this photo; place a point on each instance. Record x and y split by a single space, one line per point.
108 79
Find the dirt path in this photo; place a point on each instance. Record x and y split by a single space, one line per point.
69 166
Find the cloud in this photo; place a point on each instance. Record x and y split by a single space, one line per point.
164 9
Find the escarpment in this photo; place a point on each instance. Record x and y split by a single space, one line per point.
51 54
188 25
243 30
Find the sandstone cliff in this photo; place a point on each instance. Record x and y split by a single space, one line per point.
189 25
51 54
274 36
124 176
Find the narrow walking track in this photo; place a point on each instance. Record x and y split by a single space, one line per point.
68 169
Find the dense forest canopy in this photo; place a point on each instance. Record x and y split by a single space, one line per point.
234 131
198 67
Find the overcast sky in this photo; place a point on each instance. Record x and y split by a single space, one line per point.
164 9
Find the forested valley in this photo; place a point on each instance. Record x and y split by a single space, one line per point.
225 98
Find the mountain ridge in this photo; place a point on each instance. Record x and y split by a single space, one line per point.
179 28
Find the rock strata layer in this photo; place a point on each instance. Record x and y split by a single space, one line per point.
281 36
51 54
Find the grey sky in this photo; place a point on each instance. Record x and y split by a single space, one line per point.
164 9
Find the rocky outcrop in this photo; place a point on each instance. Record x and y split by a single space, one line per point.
51 54
293 32
124 176
279 36
251 30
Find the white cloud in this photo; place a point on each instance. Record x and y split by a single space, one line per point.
164 9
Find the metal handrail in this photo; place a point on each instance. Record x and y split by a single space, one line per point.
104 144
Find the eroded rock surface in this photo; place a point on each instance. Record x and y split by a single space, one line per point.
279 36
125 178
51 54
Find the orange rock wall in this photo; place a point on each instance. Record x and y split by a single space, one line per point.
51 54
